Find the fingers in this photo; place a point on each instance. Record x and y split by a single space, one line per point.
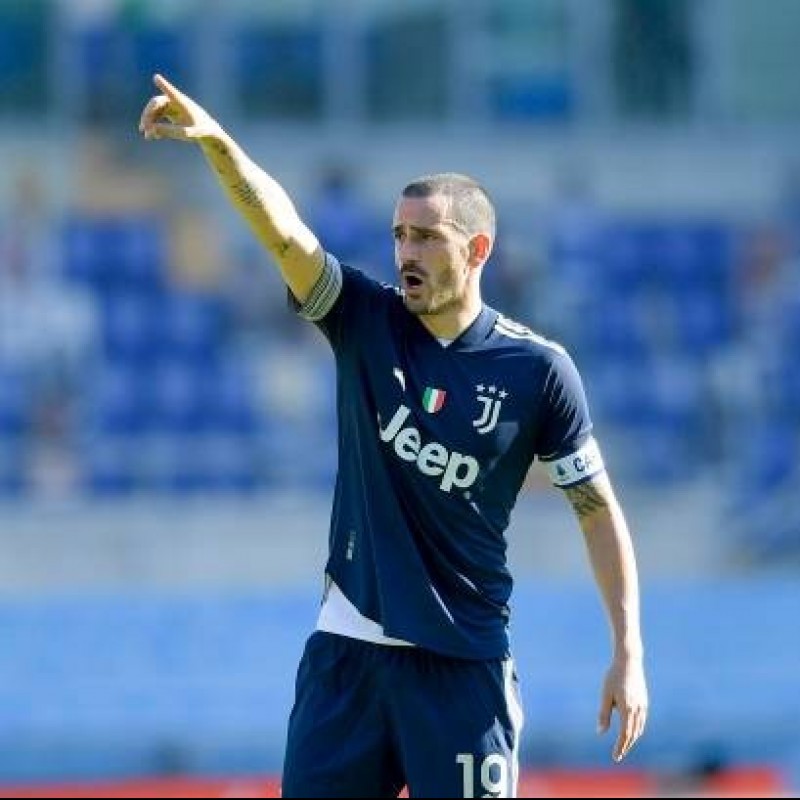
165 107
154 109
174 115
625 736
631 727
166 130
169 90
604 717
641 721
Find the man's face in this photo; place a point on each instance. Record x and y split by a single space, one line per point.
432 253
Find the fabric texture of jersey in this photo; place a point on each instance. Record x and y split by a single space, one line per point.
434 446
338 615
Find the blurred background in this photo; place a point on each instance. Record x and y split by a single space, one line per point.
167 430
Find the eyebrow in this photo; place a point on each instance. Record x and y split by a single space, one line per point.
423 229
415 228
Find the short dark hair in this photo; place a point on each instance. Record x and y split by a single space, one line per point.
470 204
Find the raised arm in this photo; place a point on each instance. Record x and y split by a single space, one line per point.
614 565
260 199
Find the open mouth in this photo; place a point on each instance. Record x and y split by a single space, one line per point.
411 281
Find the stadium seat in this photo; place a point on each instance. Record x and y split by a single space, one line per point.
14 404
110 464
117 400
130 328
189 327
179 397
115 253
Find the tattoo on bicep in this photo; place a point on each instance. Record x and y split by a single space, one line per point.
246 193
586 498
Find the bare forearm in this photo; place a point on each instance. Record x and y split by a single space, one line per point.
268 210
614 564
610 549
612 558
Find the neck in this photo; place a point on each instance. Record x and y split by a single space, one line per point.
451 324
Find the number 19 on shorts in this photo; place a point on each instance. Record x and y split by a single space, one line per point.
493 775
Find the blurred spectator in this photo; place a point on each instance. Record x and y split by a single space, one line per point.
342 219
756 376
573 225
513 277
254 295
767 294
47 327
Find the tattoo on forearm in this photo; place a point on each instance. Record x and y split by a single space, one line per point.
586 499
219 151
216 152
219 148
246 193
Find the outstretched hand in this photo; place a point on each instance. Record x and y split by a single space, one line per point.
174 115
625 690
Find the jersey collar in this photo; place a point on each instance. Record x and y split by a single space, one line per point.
474 335
477 332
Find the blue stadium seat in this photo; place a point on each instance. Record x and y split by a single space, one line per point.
115 253
279 70
118 400
231 399
13 466
165 49
532 97
172 463
767 455
611 328
620 388
189 326
232 463
787 387
704 321
14 404
207 463
130 323
179 395
624 259
110 464
139 254
302 456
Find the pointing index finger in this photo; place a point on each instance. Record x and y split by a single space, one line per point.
171 91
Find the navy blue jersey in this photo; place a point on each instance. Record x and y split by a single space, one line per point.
434 445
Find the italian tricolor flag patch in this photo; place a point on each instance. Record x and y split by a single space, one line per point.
433 399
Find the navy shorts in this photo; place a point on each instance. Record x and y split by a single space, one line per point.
370 719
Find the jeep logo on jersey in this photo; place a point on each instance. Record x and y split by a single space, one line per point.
432 459
491 399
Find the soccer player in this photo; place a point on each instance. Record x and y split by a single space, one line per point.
443 404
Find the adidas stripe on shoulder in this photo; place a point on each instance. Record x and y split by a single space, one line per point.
514 330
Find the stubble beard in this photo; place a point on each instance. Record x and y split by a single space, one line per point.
439 302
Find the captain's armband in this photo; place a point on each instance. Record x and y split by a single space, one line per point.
577 467
325 292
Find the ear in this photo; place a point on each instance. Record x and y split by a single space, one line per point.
480 246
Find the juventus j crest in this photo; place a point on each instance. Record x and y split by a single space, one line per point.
491 400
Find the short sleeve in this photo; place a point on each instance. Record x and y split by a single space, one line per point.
325 292
565 444
339 302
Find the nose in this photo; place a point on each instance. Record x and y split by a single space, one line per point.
407 250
